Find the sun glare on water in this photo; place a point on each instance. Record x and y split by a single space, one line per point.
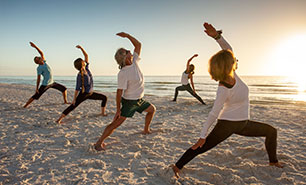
290 61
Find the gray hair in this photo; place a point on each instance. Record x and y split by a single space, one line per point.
120 57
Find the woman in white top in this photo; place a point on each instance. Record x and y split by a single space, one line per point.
187 74
231 108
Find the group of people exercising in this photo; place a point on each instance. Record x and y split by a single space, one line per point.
230 109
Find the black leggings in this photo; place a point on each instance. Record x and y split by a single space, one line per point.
225 128
187 88
84 96
42 89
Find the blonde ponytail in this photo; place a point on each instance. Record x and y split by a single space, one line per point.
82 77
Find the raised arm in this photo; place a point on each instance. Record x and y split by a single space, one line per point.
216 34
84 53
189 60
39 51
118 103
135 42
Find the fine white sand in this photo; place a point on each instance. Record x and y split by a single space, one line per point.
36 150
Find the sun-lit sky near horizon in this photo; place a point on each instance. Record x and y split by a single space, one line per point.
268 36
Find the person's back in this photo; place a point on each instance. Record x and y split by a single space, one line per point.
84 87
236 106
88 80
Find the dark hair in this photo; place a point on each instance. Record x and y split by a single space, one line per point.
191 69
78 64
36 58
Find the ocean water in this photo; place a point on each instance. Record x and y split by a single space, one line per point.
262 88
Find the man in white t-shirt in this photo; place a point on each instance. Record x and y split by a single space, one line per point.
130 91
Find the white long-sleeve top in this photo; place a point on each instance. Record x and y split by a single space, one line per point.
231 103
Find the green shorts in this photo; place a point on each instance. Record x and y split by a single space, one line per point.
129 107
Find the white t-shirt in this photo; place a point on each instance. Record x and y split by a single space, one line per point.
131 80
184 79
231 103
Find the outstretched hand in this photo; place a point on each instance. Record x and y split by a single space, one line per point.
195 55
122 34
200 143
210 30
79 47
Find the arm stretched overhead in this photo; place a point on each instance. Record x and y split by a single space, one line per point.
135 42
39 51
84 53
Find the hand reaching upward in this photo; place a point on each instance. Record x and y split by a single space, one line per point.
32 44
79 47
122 34
210 30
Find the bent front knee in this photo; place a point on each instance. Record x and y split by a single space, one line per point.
152 109
272 132
104 101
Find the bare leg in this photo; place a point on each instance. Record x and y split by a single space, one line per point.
176 171
65 97
150 113
60 119
28 103
107 132
103 111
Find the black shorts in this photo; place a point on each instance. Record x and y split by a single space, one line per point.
42 89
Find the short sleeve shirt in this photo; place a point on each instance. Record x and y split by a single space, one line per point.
46 72
130 79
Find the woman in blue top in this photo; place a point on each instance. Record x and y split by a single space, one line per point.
84 87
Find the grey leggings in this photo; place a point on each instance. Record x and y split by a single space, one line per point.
189 89
225 128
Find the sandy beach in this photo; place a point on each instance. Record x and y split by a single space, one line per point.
36 150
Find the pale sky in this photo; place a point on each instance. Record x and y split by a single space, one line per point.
170 31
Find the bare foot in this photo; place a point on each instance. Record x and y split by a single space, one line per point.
67 102
59 121
100 147
176 171
103 114
278 164
145 132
